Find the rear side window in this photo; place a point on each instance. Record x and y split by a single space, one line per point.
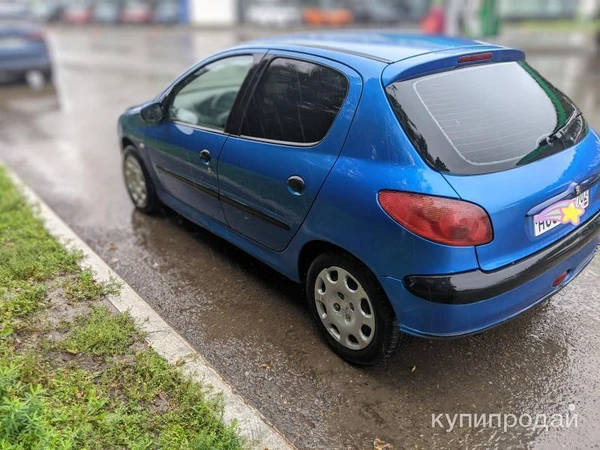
487 118
295 102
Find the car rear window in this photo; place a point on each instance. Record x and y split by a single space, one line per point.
486 118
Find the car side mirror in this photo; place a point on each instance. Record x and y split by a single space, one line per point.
152 113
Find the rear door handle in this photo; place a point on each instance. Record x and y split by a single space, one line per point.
205 156
296 185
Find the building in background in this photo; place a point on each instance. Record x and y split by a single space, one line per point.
539 9
213 13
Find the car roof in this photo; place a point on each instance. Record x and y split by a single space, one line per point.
384 46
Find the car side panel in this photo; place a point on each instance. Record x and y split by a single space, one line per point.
254 173
377 155
172 147
171 151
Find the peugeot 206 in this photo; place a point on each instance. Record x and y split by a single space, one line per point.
423 186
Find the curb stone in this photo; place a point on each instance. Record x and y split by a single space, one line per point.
260 434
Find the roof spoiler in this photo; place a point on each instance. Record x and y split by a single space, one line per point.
429 63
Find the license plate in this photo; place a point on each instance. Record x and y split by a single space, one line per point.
561 213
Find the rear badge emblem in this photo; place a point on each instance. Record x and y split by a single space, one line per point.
560 213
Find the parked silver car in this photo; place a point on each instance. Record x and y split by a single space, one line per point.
279 13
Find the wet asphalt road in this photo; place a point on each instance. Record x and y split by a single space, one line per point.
251 323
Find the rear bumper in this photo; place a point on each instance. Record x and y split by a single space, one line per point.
460 304
478 285
15 66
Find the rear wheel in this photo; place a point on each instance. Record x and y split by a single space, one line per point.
139 184
351 309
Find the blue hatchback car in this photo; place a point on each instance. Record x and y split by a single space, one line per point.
423 186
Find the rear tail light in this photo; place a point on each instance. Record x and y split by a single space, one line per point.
442 220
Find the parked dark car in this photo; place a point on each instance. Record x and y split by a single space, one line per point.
48 11
137 12
23 53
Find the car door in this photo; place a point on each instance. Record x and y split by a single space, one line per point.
184 148
291 134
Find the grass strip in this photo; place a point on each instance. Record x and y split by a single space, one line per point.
75 375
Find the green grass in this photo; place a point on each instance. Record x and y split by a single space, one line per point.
29 257
87 380
83 287
102 333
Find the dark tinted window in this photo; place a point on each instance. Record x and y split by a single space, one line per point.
295 101
486 118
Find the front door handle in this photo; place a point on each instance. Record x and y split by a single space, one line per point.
296 185
205 157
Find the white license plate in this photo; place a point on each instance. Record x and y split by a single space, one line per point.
561 213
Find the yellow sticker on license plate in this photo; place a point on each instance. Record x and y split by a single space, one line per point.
561 213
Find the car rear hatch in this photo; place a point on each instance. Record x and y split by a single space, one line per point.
509 141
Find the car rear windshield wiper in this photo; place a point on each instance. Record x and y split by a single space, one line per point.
560 133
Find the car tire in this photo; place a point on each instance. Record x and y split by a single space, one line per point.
49 75
138 183
351 310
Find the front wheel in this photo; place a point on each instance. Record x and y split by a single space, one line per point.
351 309
139 184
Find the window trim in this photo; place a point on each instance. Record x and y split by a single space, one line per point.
197 127
166 98
261 70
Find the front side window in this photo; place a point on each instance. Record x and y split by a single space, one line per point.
295 102
486 118
206 98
